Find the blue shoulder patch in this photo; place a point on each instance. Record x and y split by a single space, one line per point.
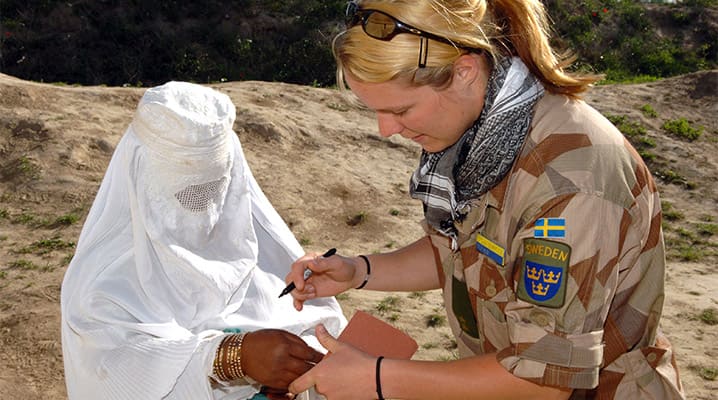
543 272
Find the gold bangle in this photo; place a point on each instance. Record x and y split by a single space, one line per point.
236 362
232 358
220 361
228 361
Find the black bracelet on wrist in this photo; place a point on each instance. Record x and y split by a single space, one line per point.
378 378
368 271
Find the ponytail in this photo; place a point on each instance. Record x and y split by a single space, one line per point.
523 30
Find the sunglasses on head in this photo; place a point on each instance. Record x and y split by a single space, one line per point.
382 26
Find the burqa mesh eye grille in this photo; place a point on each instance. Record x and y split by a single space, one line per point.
198 198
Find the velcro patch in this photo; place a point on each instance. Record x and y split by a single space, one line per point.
463 308
490 249
543 272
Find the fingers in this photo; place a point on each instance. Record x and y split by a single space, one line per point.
307 354
295 347
330 276
326 339
298 304
298 269
302 351
304 290
292 369
302 383
316 357
279 395
306 293
296 272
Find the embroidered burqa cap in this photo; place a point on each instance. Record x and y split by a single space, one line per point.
180 244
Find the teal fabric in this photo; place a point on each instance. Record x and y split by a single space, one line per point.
260 396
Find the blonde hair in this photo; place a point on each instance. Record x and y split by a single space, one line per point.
497 28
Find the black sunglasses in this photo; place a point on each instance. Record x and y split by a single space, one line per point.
382 26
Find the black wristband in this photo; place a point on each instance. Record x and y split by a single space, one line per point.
378 378
368 271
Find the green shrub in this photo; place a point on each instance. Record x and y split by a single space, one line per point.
647 156
618 38
669 213
66 220
708 373
357 218
388 304
45 246
143 43
683 129
646 142
648 111
435 320
147 43
709 316
690 253
628 128
706 229
25 265
670 176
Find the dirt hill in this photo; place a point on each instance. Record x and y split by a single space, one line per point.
338 184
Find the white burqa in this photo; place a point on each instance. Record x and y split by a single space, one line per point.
179 244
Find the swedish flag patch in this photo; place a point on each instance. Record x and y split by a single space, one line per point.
550 228
543 273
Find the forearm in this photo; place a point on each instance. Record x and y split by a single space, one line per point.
410 268
480 377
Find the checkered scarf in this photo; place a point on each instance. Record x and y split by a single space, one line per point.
447 181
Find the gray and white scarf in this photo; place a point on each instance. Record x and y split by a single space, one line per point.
447 181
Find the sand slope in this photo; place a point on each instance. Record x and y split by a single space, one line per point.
334 180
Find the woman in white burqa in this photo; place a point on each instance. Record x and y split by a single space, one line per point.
173 290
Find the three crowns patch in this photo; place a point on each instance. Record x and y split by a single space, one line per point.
543 272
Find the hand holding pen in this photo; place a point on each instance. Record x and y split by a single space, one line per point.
307 273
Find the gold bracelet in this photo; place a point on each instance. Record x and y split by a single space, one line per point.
220 360
232 357
235 363
227 364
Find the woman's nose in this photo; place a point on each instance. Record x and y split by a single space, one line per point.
388 125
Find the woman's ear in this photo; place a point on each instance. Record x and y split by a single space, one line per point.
470 77
468 69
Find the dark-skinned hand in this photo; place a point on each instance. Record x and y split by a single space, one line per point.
275 358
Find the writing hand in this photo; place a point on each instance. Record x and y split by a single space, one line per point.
330 276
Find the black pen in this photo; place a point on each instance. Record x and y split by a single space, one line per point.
307 273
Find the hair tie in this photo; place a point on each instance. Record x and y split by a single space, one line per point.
378 378
368 271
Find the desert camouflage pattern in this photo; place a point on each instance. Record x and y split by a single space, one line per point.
599 334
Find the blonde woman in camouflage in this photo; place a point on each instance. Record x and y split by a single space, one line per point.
543 224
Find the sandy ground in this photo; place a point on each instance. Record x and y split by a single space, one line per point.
322 164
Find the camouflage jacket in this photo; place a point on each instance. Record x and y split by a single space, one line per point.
559 269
